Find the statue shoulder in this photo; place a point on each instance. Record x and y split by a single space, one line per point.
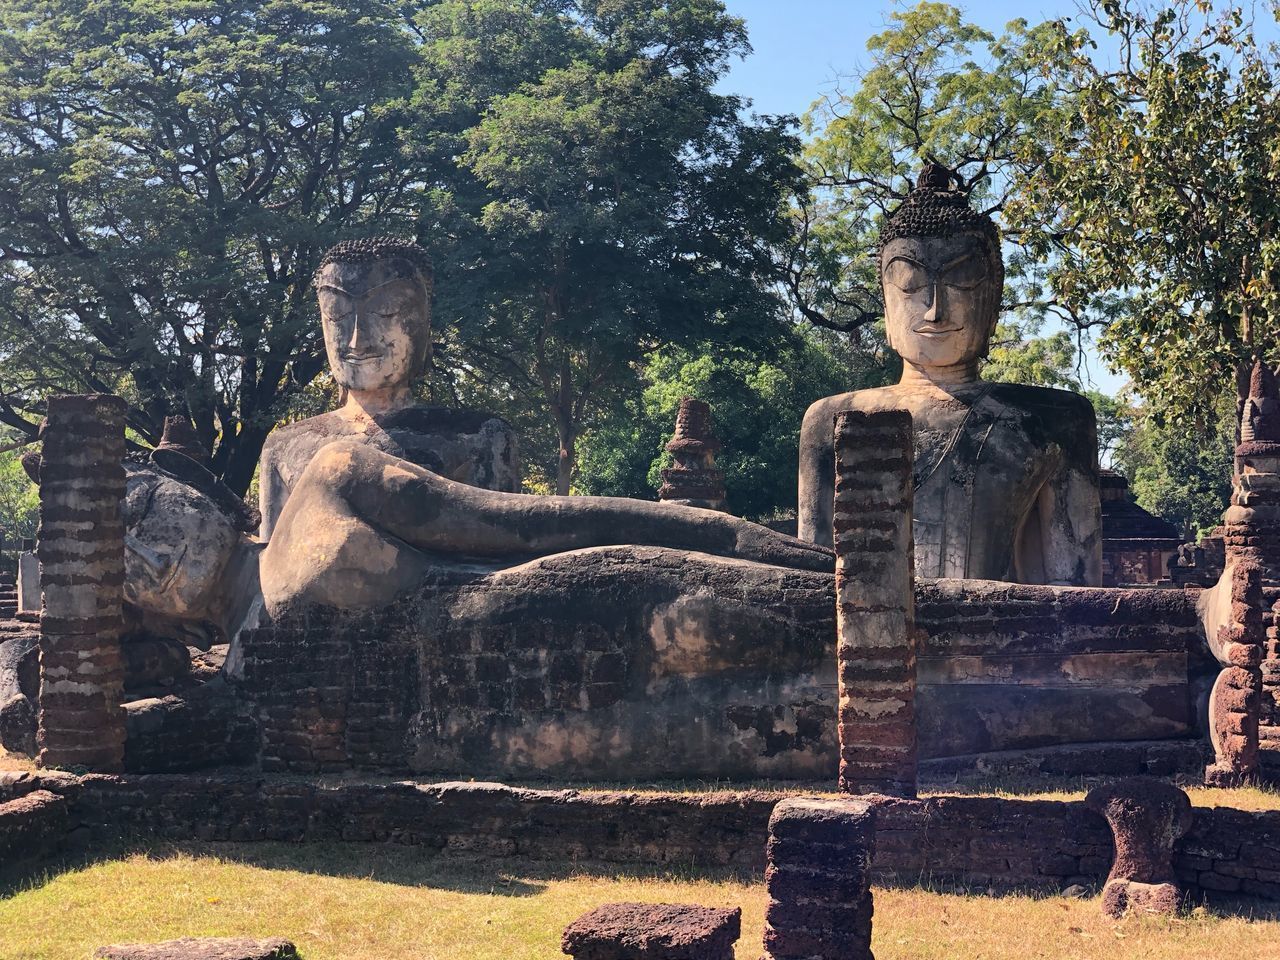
326 426
821 412
1047 401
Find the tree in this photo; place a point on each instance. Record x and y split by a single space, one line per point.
170 171
1044 361
1154 206
756 407
938 88
593 196
1180 474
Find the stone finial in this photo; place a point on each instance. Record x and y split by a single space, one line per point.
694 479
1252 523
818 879
180 437
653 931
1147 817
1260 422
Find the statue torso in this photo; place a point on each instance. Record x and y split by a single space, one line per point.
984 453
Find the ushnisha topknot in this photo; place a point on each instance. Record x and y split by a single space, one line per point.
934 209
373 249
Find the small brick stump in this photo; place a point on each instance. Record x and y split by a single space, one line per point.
203 948
819 860
649 931
1147 817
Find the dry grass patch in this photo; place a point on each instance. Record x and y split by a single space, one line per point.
373 902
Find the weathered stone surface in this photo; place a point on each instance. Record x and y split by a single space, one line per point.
818 880
1234 615
875 603
19 687
81 551
624 662
1147 817
202 948
653 931
32 826
1006 474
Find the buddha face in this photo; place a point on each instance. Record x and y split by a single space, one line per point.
941 297
377 327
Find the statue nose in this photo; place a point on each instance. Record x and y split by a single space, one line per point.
936 311
357 330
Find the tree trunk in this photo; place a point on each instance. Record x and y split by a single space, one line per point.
568 454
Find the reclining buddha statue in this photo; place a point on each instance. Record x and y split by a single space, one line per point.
1006 475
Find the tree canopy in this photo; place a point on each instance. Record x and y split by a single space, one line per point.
169 172
594 196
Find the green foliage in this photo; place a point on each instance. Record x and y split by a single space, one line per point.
1155 205
1044 361
756 406
593 197
170 171
1178 472
19 500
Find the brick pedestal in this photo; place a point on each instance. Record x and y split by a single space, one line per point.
81 551
875 616
819 858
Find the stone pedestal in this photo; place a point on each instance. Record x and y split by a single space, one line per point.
819 858
875 615
1147 817
81 552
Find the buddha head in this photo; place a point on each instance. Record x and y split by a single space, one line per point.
375 305
942 277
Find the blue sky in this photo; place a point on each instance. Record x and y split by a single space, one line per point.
803 46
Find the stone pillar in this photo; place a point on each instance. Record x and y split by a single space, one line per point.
1235 703
875 602
818 880
28 579
81 551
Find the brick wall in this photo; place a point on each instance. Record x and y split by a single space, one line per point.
973 842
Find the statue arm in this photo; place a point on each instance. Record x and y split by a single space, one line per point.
272 492
442 516
817 475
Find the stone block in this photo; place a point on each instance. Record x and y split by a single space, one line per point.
203 948
644 931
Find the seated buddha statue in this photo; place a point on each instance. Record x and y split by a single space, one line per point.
375 310
1006 475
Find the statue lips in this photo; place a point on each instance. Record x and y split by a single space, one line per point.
359 358
935 333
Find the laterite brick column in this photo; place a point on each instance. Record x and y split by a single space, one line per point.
818 879
875 615
81 552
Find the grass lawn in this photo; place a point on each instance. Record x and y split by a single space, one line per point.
374 902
